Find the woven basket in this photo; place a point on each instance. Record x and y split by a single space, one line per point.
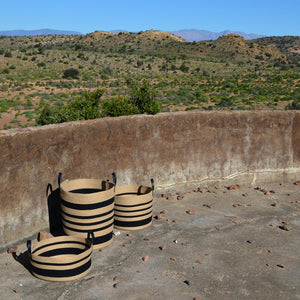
133 207
88 205
61 258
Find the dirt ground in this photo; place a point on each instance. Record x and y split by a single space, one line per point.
241 242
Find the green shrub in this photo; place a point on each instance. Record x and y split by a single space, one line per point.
85 107
120 106
71 73
7 54
295 105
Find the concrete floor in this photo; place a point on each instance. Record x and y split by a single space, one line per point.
210 244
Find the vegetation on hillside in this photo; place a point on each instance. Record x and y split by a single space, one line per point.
45 79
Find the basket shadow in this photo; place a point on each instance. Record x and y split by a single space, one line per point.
23 259
54 211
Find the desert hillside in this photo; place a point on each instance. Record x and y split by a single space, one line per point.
228 73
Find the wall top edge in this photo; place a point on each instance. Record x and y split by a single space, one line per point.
15 131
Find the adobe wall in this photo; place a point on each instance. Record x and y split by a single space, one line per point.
178 150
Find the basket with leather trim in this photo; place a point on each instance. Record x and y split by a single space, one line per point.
61 258
88 205
133 206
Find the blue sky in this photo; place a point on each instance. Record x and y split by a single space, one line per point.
269 17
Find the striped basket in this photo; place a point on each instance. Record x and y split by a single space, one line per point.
88 205
133 207
61 258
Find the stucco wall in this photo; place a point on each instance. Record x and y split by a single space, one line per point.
177 150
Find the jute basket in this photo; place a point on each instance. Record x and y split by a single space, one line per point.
88 205
133 207
61 258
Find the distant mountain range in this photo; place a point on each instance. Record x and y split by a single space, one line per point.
189 35
38 32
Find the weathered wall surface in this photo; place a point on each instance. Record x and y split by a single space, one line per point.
176 149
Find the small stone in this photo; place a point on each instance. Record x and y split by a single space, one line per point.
162 248
145 258
8 263
233 187
116 285
126 245
175 221
116 278
158 217
18 291
207 205
249 242
146 239
275 204
185 244
173 258
284 226
129 234
163 212
207 254
267 193
180 197
187 282
167 196
198 261
200 190
280 266
269 251
175 241
12 250
297 182
196 298
190 212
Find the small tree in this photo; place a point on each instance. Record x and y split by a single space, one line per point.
143 98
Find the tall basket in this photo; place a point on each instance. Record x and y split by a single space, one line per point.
133 206
88 205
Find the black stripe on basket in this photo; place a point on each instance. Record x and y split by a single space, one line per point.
86 191
133 224
62 273
88 224
59 243
87 230
137 210
135 216
121 205
88 217
61 264
102 239
87 206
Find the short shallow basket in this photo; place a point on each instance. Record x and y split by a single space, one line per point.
61 258
87 205
133 207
